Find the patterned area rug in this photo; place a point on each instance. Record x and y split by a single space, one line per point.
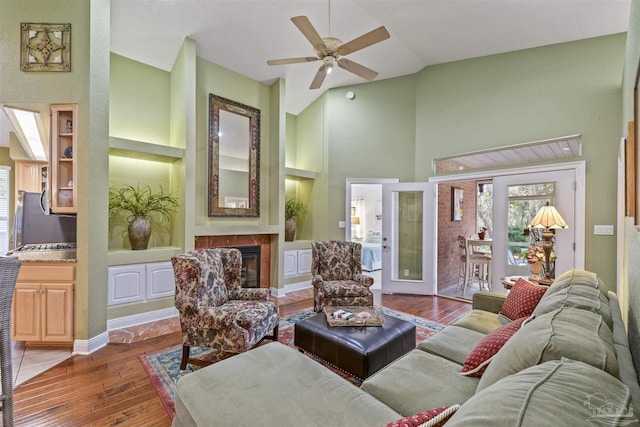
163 367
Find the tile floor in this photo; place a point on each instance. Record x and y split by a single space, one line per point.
27 362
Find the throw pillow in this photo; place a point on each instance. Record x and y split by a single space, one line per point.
522 299
488 346
431 418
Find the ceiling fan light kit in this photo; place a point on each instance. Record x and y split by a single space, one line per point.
330 50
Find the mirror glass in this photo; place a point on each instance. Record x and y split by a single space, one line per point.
234 147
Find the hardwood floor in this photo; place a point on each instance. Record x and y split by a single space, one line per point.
110 387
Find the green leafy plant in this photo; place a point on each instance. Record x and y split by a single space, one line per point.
142 201
294 208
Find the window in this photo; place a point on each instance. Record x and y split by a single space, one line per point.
524 202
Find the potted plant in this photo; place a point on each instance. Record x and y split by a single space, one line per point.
294 210
142 206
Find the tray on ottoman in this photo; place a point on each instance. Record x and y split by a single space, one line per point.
359 350
363 316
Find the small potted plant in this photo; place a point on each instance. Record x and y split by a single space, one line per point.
482 232
142 207
294 210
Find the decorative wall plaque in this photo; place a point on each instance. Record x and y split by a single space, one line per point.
45 47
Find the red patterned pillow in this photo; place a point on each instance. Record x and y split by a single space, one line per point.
522 299
431 418
481 355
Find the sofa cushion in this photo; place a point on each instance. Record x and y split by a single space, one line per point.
480 321
582 297
481 355
253 389
567 332
522 299
430 418
420 380
453 343
577 277
559 393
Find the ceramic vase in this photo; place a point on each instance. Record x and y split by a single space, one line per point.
139 232
289 230
536 269
481 235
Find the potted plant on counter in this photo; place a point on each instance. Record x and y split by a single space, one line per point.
294 210
142 207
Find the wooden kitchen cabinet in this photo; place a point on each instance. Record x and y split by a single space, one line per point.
43 303
62 182
29 176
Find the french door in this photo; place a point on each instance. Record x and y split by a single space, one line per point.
408 257
564 199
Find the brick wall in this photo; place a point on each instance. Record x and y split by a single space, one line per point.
448 230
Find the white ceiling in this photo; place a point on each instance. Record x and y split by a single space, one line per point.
242 34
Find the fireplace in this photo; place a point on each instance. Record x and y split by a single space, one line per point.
259 242
250 276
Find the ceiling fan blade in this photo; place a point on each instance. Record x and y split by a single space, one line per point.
319 78
307 29
292 60
365 40
357 69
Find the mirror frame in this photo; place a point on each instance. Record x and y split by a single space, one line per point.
217 103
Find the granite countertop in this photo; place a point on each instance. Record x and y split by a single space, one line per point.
46 256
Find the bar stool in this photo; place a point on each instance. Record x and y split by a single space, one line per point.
9 268
478 268
462 265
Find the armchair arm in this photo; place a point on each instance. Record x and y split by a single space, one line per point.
488 301
246 294
363 279
317 281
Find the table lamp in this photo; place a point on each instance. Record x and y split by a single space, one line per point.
355 221
549 219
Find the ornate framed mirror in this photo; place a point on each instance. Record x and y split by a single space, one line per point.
234 159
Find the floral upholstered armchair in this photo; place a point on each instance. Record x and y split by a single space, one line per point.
337 275
214 310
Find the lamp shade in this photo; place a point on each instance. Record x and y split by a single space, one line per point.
548 217
355 220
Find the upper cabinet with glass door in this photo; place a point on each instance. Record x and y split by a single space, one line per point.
63 170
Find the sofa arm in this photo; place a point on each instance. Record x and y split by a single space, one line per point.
488 301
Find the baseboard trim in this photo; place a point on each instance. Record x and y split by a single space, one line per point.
141 318
282 292
86 347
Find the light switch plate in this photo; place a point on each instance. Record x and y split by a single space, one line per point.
606 230
342 224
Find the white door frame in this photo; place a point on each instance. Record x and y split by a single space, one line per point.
579 168
347 204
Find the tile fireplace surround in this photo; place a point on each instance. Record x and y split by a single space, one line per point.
235 241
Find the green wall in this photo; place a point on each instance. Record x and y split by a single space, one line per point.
529 95
630 276
139 101
371 136
84 85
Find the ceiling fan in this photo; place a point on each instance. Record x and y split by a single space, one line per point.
330 50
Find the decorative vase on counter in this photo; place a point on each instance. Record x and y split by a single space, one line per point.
536 269
289 230
139 232
481 235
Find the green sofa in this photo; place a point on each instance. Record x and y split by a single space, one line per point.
569 364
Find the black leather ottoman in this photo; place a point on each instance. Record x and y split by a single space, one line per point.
361 351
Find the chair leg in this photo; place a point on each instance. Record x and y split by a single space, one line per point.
185 357
274 336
